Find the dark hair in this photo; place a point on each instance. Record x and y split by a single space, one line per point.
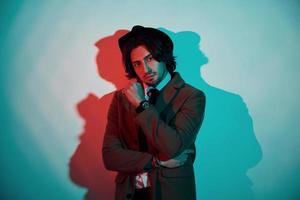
157 43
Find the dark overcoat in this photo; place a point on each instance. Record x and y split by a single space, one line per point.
169 127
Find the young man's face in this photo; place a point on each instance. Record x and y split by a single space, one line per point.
148 70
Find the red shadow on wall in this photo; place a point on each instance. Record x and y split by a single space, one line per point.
86 168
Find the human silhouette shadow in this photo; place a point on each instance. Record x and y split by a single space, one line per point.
86 168
226 144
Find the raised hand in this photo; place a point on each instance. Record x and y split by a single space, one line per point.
134 92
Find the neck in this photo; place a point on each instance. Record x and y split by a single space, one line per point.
163 77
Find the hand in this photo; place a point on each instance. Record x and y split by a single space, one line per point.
177 161
134 92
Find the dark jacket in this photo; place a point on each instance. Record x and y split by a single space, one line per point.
170 126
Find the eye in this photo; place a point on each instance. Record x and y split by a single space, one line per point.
149 58
136 64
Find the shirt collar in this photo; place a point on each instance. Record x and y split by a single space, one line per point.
160 86
164 82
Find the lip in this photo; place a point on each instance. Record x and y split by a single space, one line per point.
149 76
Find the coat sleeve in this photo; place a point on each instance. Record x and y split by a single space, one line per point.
115 156
171 139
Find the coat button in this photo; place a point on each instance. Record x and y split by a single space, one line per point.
128 196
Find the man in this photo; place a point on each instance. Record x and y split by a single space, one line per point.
152 122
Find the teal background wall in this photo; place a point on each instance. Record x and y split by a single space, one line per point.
48 65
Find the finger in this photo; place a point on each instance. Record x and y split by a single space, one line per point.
189 151
184 157
184 154
134 85
133 80
127 92
180 163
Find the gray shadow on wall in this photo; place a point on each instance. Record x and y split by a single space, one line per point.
226 144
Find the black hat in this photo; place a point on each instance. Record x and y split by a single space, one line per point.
146 32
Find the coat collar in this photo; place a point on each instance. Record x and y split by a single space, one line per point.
169 92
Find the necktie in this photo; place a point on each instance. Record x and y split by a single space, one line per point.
153 94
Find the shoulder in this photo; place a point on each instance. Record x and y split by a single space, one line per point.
185 88
191 90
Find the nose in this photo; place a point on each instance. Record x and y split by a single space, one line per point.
146 67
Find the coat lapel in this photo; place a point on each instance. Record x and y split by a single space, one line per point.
169 92
167 95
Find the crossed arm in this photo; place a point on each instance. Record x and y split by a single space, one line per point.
170 140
